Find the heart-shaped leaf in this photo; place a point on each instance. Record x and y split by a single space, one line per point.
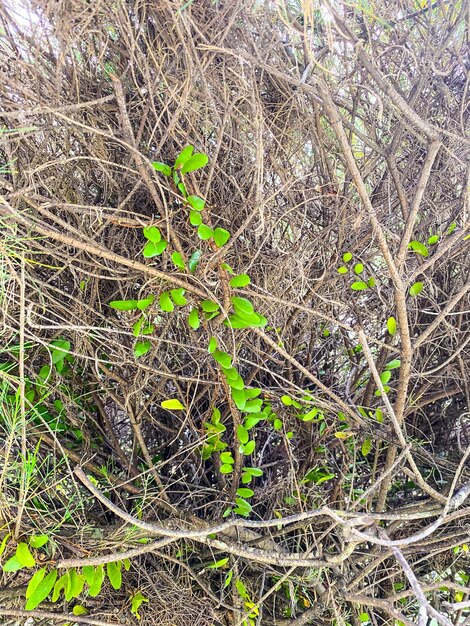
152 233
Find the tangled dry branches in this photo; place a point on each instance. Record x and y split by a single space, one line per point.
332 129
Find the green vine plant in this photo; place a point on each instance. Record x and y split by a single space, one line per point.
241 314
252 404
71 584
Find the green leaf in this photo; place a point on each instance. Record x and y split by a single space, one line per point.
433 240
243 507
35 580
60 584
239 397
194 260
196 202
221 236
182 189
277 424
226 457
152 233
218 564
166 303
242 592
41 591
136 601
223 358
242 280
37 541
124 305
359 286
366 447
43 375
75 584
137 326
3 545
226 468
178 297
253 420
249 448
385 376
113 570
208 306
231 373
242 434
244 492
195 218
146 330
392 325
378 393
204 232
152 249
253 406
418 247
253 471
347 256
161 167
247 321
172 405
194 163
311 415
237 383
451 228
12 565
371 282
212 345
392 365
88 573
61 348
78 609
358 268
183 156
141 348
242 305
253 393
145 303
416 288
228 579
342 270
193 319
178 260
24 556
95 588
